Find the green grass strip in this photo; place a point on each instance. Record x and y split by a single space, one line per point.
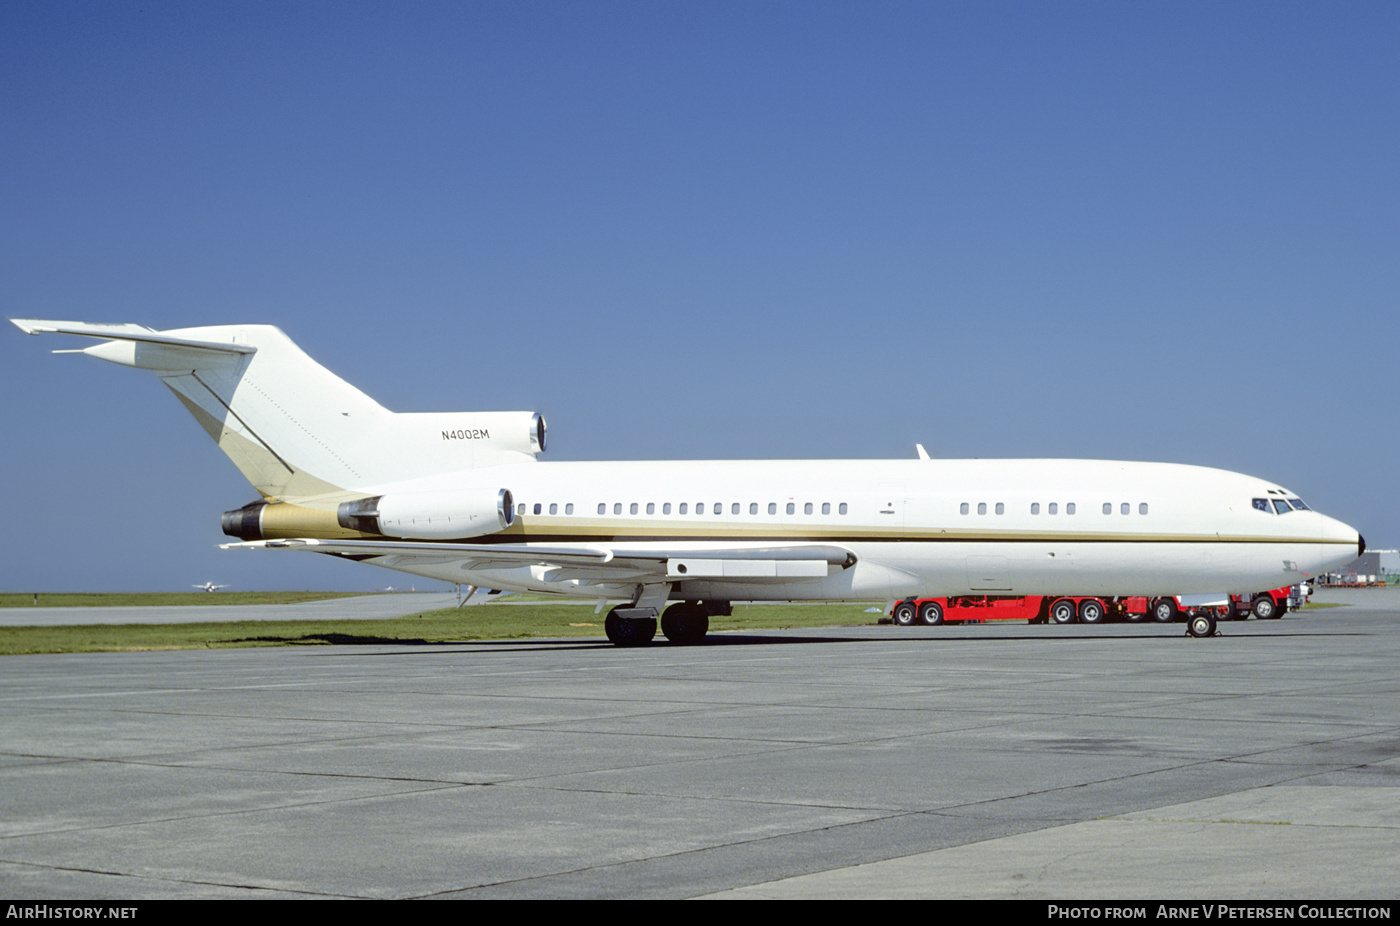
496 621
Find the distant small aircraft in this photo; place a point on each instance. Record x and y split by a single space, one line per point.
211 587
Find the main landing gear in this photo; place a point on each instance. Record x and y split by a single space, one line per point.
630 626
683 623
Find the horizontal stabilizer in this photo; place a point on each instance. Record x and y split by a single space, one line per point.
126 333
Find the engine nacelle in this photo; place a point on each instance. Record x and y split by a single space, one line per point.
262 521
447 515
520 432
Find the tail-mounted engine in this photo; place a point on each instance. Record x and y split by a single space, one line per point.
405 515
487 432
430 515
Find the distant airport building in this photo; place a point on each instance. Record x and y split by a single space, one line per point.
1371 568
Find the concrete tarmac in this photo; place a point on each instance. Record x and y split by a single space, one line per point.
988 761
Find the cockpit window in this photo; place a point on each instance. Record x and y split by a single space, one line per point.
1281 506
1261 504
1298 503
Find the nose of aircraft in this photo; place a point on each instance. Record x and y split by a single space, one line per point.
1341 544
1336 532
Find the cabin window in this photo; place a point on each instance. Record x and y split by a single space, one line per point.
1053 508
651 507
753 507
617 507
734 509
791 508
772 507
632 508
807 508
1069 508
666 508
569 508
841 509
683 508
719 508
602 507
553 507
981 507
826 507
1142 507
1035 507
1125 508
1001 508
1108 507
962 509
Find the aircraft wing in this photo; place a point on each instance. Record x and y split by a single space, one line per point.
599 562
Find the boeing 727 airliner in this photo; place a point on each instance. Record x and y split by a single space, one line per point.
462 497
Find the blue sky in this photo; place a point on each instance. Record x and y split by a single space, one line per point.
1158 231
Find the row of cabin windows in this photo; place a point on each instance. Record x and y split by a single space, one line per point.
539 509
684 508
1052 508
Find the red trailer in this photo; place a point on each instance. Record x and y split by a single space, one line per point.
964 608
1272 604
1042 609
1035 609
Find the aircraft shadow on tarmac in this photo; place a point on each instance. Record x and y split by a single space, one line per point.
739 638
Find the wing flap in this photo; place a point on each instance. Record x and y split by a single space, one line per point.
597 562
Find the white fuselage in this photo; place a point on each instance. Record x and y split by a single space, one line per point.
914 527
462 497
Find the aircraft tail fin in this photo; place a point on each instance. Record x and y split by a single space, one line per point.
294 429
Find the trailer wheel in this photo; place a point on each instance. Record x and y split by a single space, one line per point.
931 613
1062 611
1091 611
1164 611
1201 624
904 614
1265 608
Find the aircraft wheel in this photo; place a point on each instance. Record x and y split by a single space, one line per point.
1164 611
931 613
1091 611
685 623
1062 611
622 632
1265 608
1201 624
904 614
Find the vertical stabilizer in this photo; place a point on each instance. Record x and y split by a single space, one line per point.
293 428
